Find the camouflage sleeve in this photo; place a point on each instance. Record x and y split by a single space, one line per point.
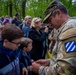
60 68
47 70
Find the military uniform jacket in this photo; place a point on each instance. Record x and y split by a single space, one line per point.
64 53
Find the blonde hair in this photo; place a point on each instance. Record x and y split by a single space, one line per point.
35 21
27 17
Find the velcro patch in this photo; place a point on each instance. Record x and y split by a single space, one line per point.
70 46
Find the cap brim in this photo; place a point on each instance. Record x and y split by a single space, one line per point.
46 18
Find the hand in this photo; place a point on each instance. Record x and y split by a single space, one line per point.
54 38
29 68
43 62
46 30
32 61
24 71
50 37
35 67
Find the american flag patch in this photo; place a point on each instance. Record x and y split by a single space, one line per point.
70 46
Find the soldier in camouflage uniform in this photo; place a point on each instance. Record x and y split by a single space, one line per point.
64 58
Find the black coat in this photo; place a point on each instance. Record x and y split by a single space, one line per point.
38 38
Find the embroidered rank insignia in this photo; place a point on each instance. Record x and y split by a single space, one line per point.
70 46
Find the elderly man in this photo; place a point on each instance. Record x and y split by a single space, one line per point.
26 25
64 55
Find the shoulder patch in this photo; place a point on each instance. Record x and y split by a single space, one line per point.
70 46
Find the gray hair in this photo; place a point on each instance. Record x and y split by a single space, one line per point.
27 17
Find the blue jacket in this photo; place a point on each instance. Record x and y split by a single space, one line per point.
25 30
9 63
25 60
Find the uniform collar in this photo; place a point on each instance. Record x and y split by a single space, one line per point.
62 26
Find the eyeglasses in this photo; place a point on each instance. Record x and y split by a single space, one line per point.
16 43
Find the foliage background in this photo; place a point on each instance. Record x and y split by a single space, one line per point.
32 7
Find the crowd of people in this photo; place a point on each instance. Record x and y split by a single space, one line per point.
23 45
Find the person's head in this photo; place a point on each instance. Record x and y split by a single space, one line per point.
6 21
36 23
11 35
56 14
28 20
6 16
2 18
26 44
17 15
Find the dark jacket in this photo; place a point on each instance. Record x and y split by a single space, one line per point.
9 63
16 22
25 61
38 51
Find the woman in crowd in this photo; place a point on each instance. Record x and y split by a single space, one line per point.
39 39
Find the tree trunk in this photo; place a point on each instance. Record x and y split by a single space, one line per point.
6 8
10 9
23 8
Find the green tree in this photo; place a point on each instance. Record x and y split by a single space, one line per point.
32 7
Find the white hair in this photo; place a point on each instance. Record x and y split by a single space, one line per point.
27 17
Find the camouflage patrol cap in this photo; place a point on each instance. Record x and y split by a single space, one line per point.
51 8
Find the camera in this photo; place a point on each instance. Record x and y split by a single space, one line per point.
49 27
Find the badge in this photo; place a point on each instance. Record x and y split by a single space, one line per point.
70 46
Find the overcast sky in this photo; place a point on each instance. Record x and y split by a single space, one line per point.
74 0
